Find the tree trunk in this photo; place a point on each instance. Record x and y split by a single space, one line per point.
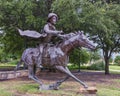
106 58
106 66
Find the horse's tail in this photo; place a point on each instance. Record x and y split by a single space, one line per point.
22 59
18 65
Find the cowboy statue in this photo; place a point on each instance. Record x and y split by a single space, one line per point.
47 38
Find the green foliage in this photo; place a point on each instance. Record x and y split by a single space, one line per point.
23 14
69 20
117 60
79 56
95 55
13 62
99 19
6 57
111 60
97 66
74 67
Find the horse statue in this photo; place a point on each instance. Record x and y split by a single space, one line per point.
56 56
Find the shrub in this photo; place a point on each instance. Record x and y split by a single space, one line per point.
117 60
97 66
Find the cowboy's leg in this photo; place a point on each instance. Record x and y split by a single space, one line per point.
39 58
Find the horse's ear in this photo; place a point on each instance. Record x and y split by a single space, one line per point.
80 32
75 32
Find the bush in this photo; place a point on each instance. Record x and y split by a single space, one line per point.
75 66
97 66
117 60
13 62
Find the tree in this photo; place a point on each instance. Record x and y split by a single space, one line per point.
99 19
94 56
23 14
106 29
79 56
113 1
117 60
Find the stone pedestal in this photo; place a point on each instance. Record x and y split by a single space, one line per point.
12 74
90 91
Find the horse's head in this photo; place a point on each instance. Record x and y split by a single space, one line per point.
84 41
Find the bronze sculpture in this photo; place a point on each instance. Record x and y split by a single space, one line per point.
56 56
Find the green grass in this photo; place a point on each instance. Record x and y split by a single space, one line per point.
114 67
4 90
34 89
30 88
117 80
5 93
114 72
108 92
109 89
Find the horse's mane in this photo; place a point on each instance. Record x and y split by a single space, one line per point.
68 36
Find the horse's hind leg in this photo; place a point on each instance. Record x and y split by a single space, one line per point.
66 70
32 74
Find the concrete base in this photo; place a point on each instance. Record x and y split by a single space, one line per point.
90 91
12 74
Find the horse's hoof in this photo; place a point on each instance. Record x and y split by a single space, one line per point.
48 87
44 87
85 87
56 88
53 87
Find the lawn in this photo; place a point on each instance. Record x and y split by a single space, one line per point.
115 67
107 85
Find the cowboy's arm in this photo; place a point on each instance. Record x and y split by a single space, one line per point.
47 30
65 36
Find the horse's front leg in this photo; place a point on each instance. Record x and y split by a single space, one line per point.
67 71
